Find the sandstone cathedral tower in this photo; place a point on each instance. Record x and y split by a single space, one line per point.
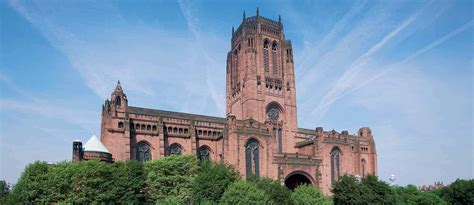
260 134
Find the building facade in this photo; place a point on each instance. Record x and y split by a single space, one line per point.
259 135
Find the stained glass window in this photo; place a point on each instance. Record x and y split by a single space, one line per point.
203 153
252 158
174 149
335 165
143 151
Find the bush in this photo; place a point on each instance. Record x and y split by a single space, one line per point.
241 192
171 176
370 190
460 191
278 194
32 185
211 181
308 194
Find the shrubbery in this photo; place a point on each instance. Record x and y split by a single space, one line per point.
184 180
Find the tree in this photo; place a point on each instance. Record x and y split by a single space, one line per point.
32 185
93 182
460 191
347 190
308 194
211 181
279 194
129 180
4 189
411 195
171 176
380 190
241 192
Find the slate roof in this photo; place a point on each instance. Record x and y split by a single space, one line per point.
164 113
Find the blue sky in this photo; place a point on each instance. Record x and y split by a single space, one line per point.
403 68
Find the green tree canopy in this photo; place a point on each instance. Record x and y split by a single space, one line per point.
278 194
31 185
171 176
241 192
308 194
211 181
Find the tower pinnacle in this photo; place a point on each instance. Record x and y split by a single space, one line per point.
258 12
243 19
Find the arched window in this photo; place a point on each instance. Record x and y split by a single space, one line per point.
170 129
118 102
335 165
274 58
148 127
235 67
143 151
362 163
154 128
180 130
120 125
204 153
280 146
265 56
137 126
143 127
273 111
252 158
174 148
185 130
175 130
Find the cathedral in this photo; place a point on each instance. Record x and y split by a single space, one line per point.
259 134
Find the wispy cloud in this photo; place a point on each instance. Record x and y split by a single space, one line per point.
336 95
346 81
211 64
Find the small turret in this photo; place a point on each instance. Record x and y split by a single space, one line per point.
77 150
258 12
118 97
243 16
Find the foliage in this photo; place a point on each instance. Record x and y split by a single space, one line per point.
31 185
411 195
4 189
278 194
129 182
241 192
460 191
171 176
380 191
308 194
170 200
348 190
211 181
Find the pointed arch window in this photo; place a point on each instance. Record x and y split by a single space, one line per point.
143 152
363 167
280 145
252 158
118 101
204 153
274 58
266 65
175 149
235 68
335 165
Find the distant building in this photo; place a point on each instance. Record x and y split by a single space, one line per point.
259 135
436 185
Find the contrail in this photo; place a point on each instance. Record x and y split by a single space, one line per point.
356 66
414 55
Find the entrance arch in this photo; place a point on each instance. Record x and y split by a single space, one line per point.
295 179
